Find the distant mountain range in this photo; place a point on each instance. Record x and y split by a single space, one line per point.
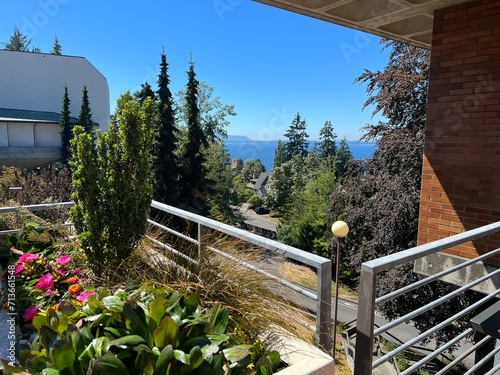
239 138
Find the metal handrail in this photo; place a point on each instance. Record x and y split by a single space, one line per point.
366 331
322 265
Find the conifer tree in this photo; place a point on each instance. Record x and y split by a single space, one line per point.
297 138
56 47
85 117
343 157
193 157
18 42
66 127
327 135
166 169
146 91
280 155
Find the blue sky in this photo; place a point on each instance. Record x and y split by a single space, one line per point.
268 62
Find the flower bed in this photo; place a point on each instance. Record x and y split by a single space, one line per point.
75 328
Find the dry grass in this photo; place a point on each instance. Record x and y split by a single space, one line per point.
254 300
304 276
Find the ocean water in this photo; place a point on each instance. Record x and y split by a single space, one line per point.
264 150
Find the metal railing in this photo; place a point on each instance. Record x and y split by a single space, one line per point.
322 265
367 333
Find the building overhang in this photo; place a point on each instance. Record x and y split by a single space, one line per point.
408 21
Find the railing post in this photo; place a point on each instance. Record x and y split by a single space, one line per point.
363 355
201 246
324 307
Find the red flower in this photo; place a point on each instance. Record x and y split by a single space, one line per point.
73 280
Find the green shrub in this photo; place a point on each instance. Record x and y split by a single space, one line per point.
113 187
255 201
159 334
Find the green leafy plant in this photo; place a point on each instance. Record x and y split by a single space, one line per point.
158 334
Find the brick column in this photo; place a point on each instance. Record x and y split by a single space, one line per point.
461 171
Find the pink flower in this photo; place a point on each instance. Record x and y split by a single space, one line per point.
15 251
18 267
84 295
28 257
61 271
63 259
45 282
49 293
30 313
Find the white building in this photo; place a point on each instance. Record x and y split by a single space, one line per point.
31 93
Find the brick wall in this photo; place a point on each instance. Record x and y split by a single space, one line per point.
461 172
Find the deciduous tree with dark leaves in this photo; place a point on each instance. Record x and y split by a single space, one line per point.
379 196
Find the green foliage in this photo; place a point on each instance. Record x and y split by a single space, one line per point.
297 138
343 157
56 47
327 135
255 201
305 221
166 165
18 42
113 188
217 170
160 334
145 92
85 116
192 155
66 127
251 170
280 155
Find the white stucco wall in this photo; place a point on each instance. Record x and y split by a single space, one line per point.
35 81
22 135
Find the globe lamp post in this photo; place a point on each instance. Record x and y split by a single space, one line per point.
339 230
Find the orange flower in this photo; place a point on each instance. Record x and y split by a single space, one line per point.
73 280
74 289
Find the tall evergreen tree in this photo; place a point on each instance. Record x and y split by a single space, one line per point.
145 92
85 117
343 157
327 146
192 156
166 165
297 138
56 47
66 127
18 42
280 155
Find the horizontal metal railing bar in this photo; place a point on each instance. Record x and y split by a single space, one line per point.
289 251
436 328
427 280
172 250
294 287
494 370
14 231
485 359
167 229
37 207
458 359
436 352
434 303
405 256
